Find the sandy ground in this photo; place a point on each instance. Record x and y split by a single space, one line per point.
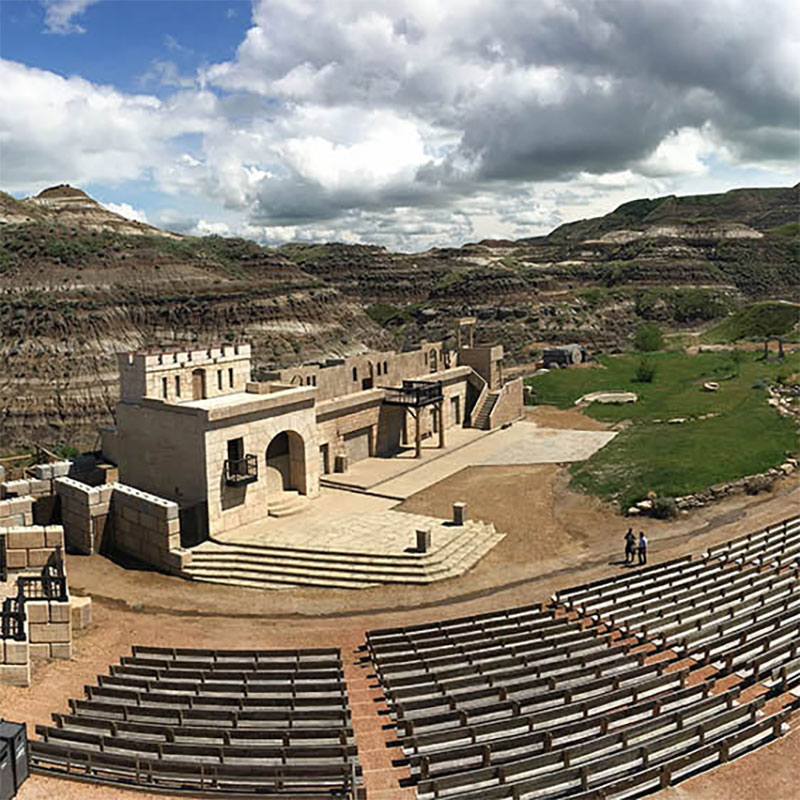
555 538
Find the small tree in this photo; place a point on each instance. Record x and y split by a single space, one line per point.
645 372
648 338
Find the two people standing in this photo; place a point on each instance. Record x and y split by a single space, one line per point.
631 547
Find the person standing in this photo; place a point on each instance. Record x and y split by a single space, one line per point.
642 548
630 546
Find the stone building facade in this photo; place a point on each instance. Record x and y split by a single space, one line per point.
193 428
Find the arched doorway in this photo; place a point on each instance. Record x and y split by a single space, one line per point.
286 462
368 381
198 384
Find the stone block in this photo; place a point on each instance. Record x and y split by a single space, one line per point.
40 650
39 487
16 652
80 612
61 468
15 675
43 471
59 611
37 611
54 536
16 488
25 539
38 557
17 559
52 632
61 650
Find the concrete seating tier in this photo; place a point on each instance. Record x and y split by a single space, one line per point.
779 543
210 722
568 745
539 703
628 773
270 567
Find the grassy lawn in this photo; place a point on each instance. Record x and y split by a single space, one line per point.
747 436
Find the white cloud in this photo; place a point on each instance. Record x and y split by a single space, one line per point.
128 211
400 121
59 14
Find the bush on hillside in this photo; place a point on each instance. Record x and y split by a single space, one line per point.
645 372
648 338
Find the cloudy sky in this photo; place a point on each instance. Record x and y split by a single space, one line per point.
407 123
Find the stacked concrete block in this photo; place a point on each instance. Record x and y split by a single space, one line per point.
49 628
56 469
81 612
16 511
19 488
30 547
84 513
15 665
148 527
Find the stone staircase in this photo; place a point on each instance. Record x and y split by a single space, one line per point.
480 419
272 567
288 502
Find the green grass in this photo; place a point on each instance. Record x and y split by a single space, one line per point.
746 437
755 322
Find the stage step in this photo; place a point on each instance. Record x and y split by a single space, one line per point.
273 567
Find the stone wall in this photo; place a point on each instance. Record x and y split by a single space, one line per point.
84 513
49 628
15 662
232 506
148 528
380 368
510 405
30 547
226 369
16 511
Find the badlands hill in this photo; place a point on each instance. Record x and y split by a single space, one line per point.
79 283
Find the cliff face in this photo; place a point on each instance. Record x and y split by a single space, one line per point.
78 284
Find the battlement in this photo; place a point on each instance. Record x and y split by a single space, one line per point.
178 375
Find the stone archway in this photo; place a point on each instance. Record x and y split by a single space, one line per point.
286 463
198 384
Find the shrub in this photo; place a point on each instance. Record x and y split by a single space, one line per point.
758 483
648 338
665 508
645 372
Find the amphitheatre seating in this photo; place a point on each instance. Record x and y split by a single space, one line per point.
779 543
210 722
594 696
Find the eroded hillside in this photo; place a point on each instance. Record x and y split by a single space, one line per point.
80 283
75 294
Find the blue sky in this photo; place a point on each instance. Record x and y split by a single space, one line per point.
398 122
122 38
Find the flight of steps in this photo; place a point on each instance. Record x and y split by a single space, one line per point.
264 567
480 419
286 503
